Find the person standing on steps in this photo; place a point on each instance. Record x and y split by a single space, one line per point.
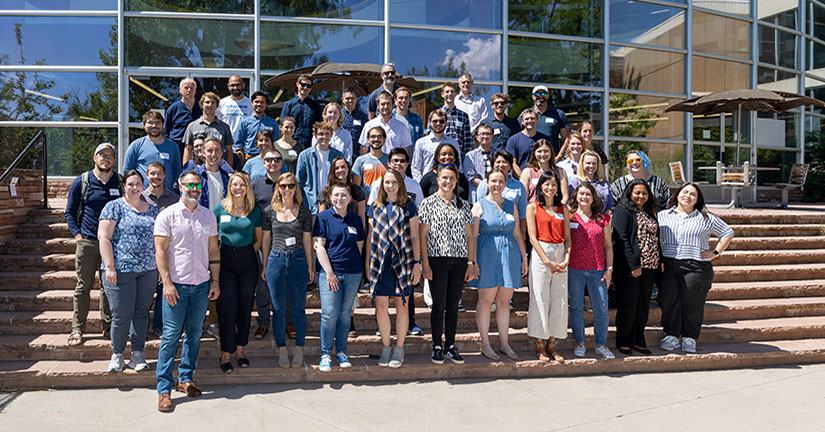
235 107
188 259
88 194
354 118
247 135
153 148
181 113
304 110
210 126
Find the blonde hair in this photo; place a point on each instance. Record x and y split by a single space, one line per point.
340 113
278 199
402 199
564 151
248 198
599 167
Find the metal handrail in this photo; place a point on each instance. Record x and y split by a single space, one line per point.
39 138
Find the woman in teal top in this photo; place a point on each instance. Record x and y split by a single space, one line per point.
239 227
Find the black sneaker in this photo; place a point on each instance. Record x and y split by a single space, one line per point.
437 357
461 307
453 355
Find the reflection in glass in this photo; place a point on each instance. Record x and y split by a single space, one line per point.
564 17
815 21
351 9
446 54
58 96
59 5
780 12
434 100
783 160
773 79
70 149
460 13
559 62
189 43
644 116
777 47
711 75
58 41
660 154
645 23
738 7
207 6
815 89
644 69
159 92
578 106
707 128
720 35
290 46
816 57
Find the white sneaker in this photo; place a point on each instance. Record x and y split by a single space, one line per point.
138 362
116 364
580 350
326 363
605 352
688 345
670 343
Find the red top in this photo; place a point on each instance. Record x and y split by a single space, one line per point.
587 243
550 227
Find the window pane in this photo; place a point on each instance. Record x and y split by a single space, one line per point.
720 35
644 116
816 57
772 79
213 6
633 21
711 75
70 149
460 13
158 93
707 128
58 96
58 41
189 43
790 121
815 21
779 12
815 89
660 155
777 47
447 54
738 7
564 17
290 46
59 5
578 106
644 69
353 9
775 159
560 62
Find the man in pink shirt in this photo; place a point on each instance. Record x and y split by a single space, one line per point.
188 257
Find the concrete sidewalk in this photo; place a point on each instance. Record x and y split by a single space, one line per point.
770 399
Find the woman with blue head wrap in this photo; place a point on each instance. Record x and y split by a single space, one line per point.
640 167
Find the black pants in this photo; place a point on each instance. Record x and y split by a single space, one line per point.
682 293
239 275
632 306
446 287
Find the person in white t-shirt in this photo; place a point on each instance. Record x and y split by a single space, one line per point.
236 106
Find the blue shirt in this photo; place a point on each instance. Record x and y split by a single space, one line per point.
133 241
354 122
550 123
142 152
248 128
306 112
520 146
97 195
602 188
414 123
255 168
372 100
502 130
513 191
342 235
177 118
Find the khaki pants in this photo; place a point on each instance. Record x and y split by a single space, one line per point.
86 263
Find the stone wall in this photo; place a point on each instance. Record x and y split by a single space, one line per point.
15 210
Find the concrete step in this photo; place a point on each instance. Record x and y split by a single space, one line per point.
759 257
775 243
32 246
776 272
766 289
778 230
55 261
37 230
40 280
710 356
770 217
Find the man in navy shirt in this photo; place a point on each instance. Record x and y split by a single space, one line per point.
388 85
521 144
245 146
304 110
181 113
82 213
354 118
153 148
504 126
551 120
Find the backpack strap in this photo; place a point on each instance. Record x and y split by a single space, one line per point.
84 187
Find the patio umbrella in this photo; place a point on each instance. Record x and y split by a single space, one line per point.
738 100
363 77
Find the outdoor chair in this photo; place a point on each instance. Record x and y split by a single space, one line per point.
799 173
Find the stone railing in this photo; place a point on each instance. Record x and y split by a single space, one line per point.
15 210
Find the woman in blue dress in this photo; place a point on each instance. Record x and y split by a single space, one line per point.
502 263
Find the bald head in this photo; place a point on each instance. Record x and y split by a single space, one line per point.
236 87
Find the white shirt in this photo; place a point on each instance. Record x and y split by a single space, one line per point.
216 193
323 167
398 134
422 160
475 107
413 190
232 112
342 141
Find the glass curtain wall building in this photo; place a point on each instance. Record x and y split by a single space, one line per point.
86 70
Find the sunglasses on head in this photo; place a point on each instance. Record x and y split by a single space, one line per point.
445 165
272 159
305 85
197 186
634 160
285 186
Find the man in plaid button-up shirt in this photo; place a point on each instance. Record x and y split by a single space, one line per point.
458 122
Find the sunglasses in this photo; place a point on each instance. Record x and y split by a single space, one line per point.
305 85
376 137
398 161
445 165
634 160
285 186
197 186
390 73
272 159
439 121
497 103
540 93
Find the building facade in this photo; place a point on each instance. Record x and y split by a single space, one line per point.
86 70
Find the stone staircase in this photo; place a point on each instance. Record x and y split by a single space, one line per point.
767 307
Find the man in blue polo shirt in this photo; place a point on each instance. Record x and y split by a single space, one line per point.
245 146
88 194
181 113
154 147
551 120
304 110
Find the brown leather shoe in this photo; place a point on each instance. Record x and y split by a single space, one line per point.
260 332
290 332
164 402
189 388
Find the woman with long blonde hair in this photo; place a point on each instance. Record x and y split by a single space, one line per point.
591 171
239 230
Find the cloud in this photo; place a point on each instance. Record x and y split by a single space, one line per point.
480 58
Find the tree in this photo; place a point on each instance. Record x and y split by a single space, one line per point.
630 121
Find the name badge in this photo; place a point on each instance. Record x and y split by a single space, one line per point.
368 166
509 217
352 230
207 230
559 216
267 128
226 218
290 241
534 181
356 122
164 156
293 153
550 120
497 131
417 129
509 194
114 192
217 135
574 225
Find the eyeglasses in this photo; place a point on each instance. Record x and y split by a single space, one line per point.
305 84
484 134
376 137
398 161
446 165
438 121
389 73
273 159
634 160
540 93
197 186
497 103
285 186
106 156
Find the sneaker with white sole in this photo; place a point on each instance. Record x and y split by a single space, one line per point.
343 360
580 350
415 331
605 352
116 364
437 356
397 358
688 345
386 353
326 363
137 362
670 343
453 355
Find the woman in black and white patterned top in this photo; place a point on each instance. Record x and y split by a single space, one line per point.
445 225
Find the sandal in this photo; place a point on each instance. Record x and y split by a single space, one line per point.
487 351
555 354
75 339
506 350
541 353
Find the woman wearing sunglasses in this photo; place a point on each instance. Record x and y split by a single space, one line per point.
639 167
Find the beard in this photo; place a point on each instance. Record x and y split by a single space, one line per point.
389 81
192 196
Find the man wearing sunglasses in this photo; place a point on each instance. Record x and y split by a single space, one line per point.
503 125
551 120
388 76
304 110
422 160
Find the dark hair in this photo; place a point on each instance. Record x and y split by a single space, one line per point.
458 200
626 201
545 177
152 115
156 164
436 163
131 173
332 180
595 208
307 77
533 162
184 174
265 133
700 199
507 156
383 132
476 143
285 119
399 150
260 93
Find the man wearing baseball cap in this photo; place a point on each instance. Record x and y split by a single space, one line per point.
552 121
88 194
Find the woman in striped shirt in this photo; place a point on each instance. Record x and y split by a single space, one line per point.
685 228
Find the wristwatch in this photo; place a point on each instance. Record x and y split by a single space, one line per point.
716 252
469 263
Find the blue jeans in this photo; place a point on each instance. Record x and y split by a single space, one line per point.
336 310
577 280
130 301
287 270
188 313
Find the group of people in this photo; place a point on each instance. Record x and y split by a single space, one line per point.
232 211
